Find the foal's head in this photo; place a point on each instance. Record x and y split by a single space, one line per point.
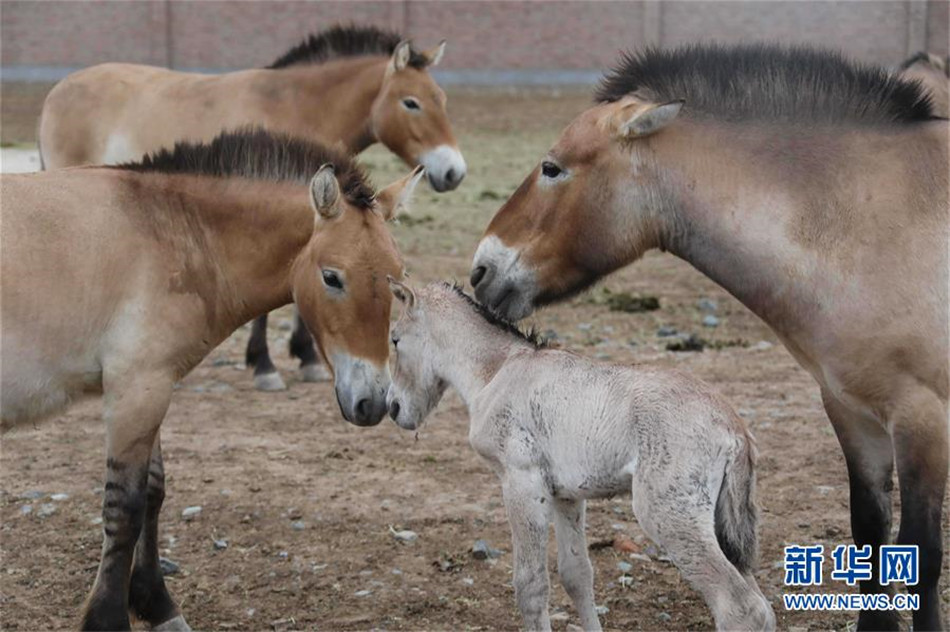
409 117
583 212
416 388
340 287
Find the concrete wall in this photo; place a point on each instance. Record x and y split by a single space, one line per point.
485 37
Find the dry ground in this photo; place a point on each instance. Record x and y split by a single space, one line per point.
259 462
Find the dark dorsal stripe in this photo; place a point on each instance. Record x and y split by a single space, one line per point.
261 155
767 82
345 41
530 336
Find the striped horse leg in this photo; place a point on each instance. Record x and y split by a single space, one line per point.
148 596
134 409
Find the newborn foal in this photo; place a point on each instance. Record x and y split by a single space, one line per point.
559 428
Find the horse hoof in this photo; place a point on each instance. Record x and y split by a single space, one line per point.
315 373
177 624
269 382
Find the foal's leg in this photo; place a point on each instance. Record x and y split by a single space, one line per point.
869 454
266 377
921 443
685 528
527 503
301 346
573 563
134 409
148 596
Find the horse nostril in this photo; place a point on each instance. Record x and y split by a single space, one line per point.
394 410
363 409
477 275
450 176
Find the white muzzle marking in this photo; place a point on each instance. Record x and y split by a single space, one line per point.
445 167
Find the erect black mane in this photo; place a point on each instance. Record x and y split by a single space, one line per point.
531 336
261 155
340 41
768 82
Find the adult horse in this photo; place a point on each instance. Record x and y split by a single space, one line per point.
119 280
812 189
349 85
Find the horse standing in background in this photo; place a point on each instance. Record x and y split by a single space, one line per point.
120 280
352 86
812 189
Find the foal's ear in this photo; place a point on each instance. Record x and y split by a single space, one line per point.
394 199
636 119
325 193
402 292
434 55
400 57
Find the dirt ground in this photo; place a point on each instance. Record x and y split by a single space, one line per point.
305 501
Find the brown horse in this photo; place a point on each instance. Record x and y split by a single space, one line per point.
934 73
812 189
348 85
119 280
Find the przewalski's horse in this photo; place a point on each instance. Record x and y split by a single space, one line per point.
119 280
349 85
559 429
934 73
813 190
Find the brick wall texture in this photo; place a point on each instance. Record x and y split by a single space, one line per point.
482 34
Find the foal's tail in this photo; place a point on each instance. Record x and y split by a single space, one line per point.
736 511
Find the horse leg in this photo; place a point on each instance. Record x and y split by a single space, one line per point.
527 503
685 528
133 410
148 596
573 563
301 346
921 443
869 454
266 377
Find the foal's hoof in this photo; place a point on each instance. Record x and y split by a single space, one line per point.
315 373
269 382
177 624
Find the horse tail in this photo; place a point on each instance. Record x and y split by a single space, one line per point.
737 514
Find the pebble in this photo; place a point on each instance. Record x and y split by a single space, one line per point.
664 616
220 545
168 567
405 536
46 509
666 331
559 616
294 514
601 610
710 321
584 326
617 526
762 345
640 557
189 513
363 593
468 581
481 550
26 509
31 495
707 305
625 567
298 525
59 497
283 555
626 581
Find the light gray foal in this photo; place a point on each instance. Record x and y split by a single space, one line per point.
559 428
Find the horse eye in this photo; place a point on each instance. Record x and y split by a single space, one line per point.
550 170
411 104
332 279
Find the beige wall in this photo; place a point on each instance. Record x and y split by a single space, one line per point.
483 35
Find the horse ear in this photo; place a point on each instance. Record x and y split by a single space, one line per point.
325 193
434 56
402 292
394 199
636 119
400 58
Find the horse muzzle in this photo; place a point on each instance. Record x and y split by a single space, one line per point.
501 281
445 167
360 390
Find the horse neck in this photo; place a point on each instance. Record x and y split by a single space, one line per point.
244 235
469 351
339 98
